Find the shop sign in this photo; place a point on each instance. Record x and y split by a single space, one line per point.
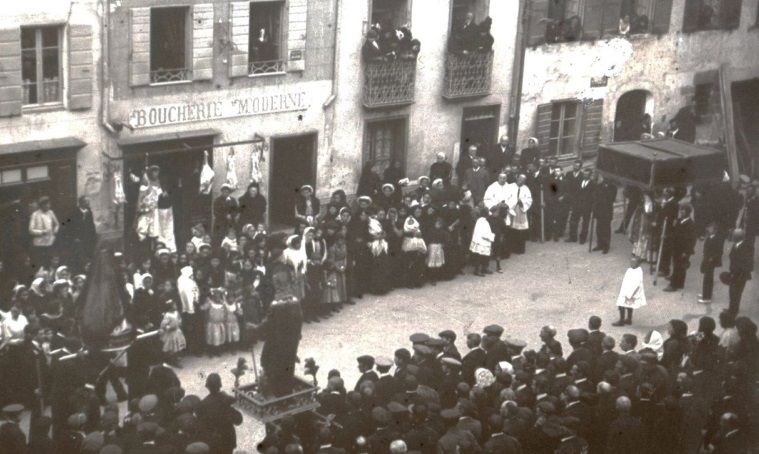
170 114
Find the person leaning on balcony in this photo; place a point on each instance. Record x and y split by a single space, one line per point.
371 51
408 48
463 35
484 40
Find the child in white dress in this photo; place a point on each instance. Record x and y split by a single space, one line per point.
172 338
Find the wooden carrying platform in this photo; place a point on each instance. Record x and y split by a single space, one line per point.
266 408
660 163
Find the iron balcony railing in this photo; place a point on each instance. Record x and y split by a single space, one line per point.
389 83
266 67
165 76
468 75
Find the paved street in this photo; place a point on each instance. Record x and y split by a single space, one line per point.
554 283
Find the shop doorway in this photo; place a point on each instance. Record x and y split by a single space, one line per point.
630 109
479 126
746 116
293 164
180 175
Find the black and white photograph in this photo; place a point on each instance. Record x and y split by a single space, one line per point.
379 226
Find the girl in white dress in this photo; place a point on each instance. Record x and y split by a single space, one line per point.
172 338
631 295
216 334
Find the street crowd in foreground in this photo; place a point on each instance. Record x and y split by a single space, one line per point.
213 295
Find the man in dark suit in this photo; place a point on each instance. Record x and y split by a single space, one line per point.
80 234
379 441
685 122
449 349
475 359
595 335
713 244
371 51
604 196
466 161
626 434
365 366
12 438
496 349
607 360
582 207
683 241
741 266
667 215
500 156
217 418
556 206
577 340
574 407
387 386
463 35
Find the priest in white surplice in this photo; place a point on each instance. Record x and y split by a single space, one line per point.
519 202
498 193
631 295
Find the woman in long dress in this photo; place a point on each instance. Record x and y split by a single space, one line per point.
215 328
631 295
147 221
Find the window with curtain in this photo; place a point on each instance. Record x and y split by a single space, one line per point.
385 142
169 42
265 39
41 64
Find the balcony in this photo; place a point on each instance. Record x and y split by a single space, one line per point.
389 83
467 75
266 67
167 76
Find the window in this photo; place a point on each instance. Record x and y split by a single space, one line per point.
11 177
265 38
552 21
41 64
169 45
570 127
385 142
389 13
711 15
702 99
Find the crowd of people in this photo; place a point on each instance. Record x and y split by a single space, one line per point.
211 295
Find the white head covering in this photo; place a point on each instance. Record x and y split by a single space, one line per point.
655 343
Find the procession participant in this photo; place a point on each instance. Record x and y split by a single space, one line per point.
683 241
603 208
517 222
631 294
741 266
713 245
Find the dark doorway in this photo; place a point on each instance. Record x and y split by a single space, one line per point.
180 173
630 109
293 164
479 126
746 119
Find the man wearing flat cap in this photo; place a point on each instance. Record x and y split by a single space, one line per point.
496 349
12 438
380 440
449 350
366 367
475 359
430 371
217 418
455 440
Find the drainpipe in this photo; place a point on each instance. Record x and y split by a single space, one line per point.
105 73
517 73
329 120
336 60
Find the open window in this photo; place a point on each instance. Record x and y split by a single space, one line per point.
170 45
568 128
265 37
711 15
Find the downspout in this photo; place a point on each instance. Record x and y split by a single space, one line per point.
517 73
105 73
336 61
329 120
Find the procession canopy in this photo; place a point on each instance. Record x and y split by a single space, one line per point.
660 163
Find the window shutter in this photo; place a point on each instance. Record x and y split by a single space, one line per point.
80 67
730 15
296 35
612 12
240 35
543 126
202 41
592 19
140 36
592 114
537 29
691 15
662 15
10 72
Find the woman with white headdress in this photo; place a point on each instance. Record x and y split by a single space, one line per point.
414 249
295 257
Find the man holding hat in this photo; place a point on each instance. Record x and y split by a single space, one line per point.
12 439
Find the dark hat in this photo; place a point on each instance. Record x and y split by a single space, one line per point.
725 277
412 369
450 414
189 403
396 408
649 357
494 330
418 338
422 349
448 334
463 388
197 448
435 343
450 362
366 359
13 410
579 335
213 381
381 415
383 361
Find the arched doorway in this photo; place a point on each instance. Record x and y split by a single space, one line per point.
630 109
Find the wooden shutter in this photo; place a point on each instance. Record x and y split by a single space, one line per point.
592 19
10 72
296 35
730 14
662 14
691 15
202 41
592 116
80 67
140 38
537 29
612 12
240 36
543 126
